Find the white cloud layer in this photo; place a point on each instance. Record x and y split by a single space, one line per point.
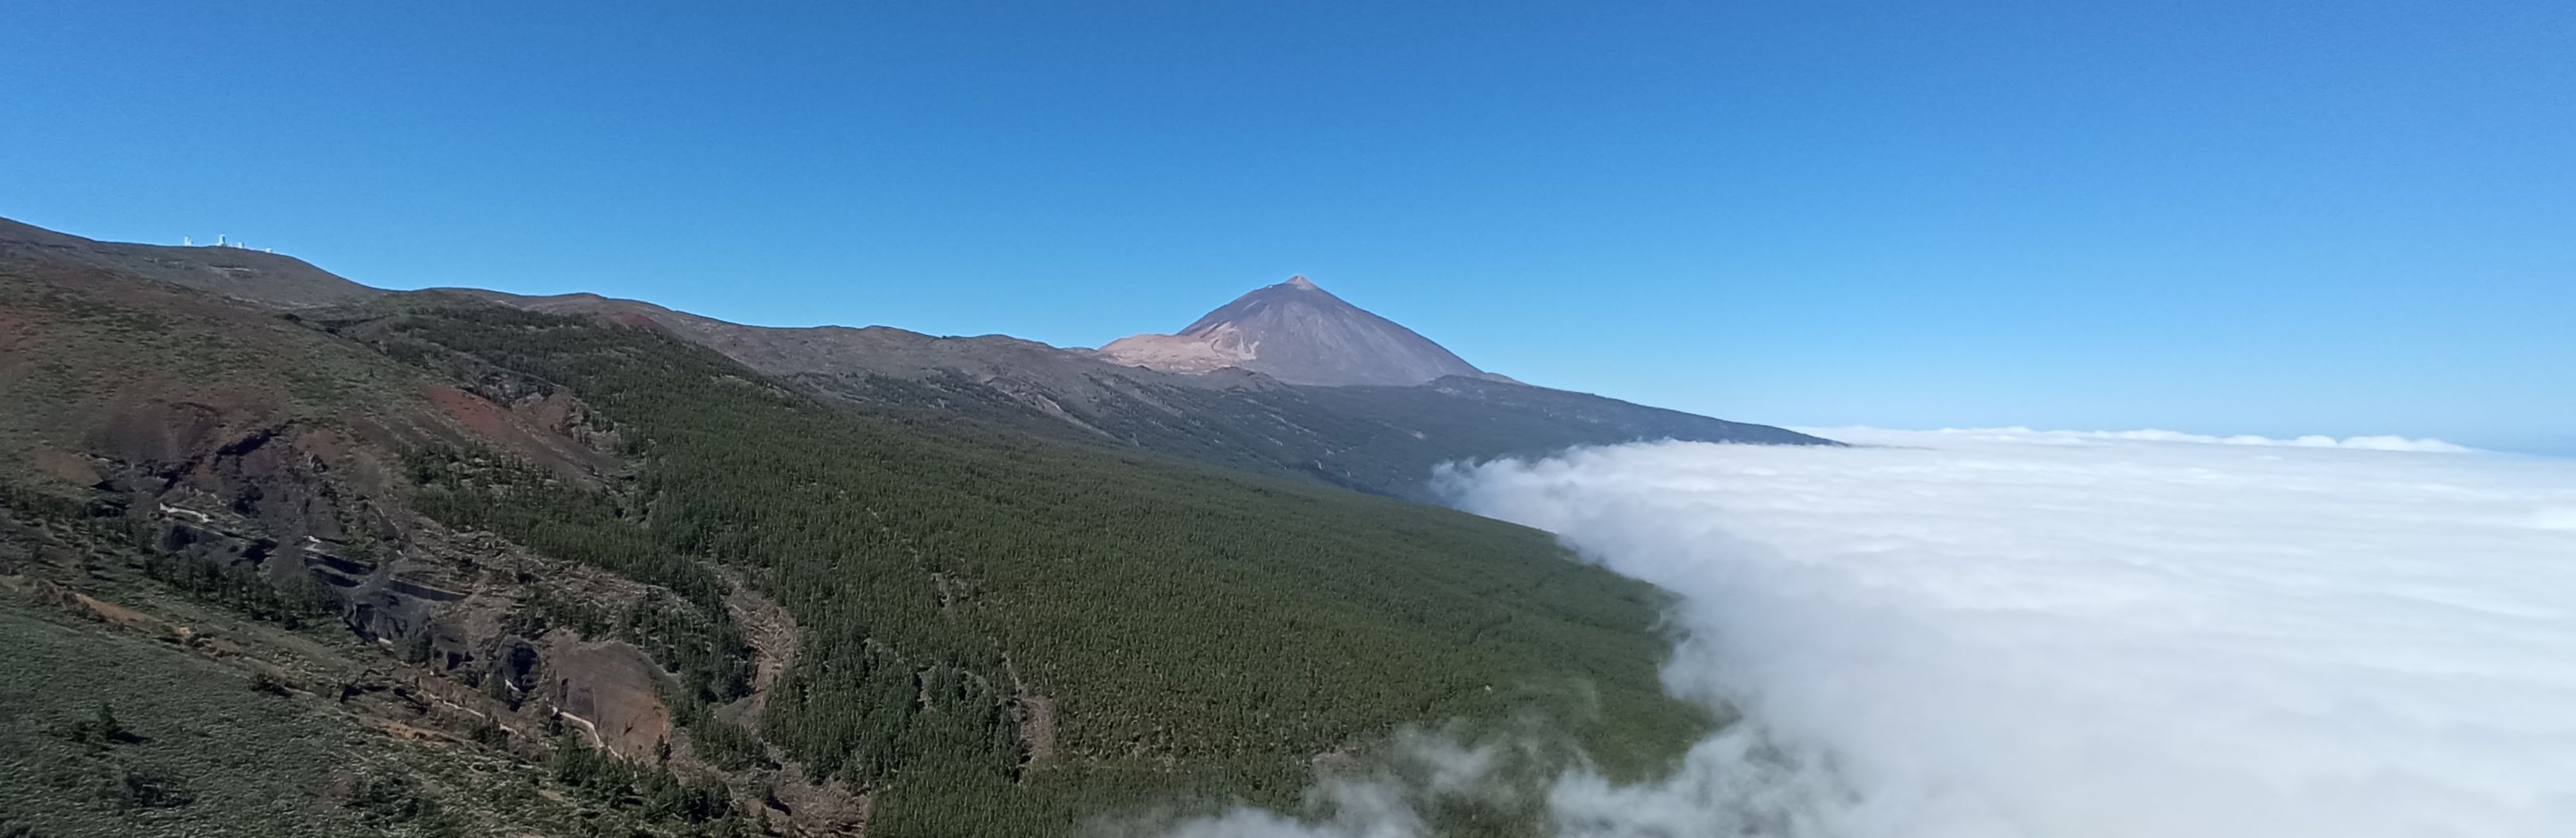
2007 633
2048 634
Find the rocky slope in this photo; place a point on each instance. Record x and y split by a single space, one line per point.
231 484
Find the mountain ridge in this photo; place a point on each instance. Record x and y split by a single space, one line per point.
1381 439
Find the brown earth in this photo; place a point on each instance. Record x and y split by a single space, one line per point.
1036 716
611 689
545 429
771 632
70 468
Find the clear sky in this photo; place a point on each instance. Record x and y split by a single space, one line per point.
2221 217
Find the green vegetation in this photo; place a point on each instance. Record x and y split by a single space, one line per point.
688 630
1193 630
652 790
291 603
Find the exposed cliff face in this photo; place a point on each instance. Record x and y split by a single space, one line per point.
1301 334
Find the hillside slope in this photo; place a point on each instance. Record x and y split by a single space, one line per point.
236 273
760 603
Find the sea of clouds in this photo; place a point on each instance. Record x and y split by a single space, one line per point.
2008 633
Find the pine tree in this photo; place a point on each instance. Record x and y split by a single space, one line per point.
106 727
417 646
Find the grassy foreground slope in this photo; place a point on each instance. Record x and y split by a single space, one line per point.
201 747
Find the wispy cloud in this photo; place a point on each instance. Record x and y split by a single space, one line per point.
1882 436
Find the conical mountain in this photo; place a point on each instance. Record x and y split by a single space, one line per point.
1301 334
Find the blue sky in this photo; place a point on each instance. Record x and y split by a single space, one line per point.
2340 218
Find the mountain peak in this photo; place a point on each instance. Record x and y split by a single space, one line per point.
1297 333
